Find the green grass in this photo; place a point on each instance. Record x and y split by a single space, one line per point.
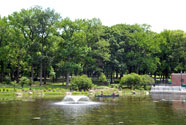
57 89
7 94
54 93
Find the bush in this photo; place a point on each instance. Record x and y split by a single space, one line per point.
44 90
115 85
131 80
49 89
7 79
54 90
14 83
4 89
24 80
102 78
81 83
146 80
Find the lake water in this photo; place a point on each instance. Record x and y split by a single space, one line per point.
129 110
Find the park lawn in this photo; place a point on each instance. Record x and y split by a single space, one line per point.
57 89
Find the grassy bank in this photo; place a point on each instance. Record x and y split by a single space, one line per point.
57 89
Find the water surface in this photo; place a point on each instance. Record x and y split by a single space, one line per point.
129 110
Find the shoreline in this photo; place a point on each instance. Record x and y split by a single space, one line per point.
91 93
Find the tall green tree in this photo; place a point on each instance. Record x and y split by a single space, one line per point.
99 54
26 22
47 20
3 46
172 55
73 47
37 25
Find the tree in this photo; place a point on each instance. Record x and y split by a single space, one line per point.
172 54
100 52
4 48
47 20
26 22
37 25
73 48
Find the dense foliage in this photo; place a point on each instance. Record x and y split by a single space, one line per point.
24 80
38 43
131 80
146 80
134 80
81 83
102 78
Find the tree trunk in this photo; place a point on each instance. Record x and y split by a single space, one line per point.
41 72
67 79
155 77
160 78
138 68
116 74
2 71
12 74
121 75
44 71
32 74
163 78
53 78
111 77
18 65
41 63
56 78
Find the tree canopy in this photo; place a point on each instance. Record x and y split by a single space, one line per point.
35 42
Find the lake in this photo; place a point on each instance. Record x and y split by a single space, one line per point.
158 109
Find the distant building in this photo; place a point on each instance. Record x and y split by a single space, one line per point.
178 79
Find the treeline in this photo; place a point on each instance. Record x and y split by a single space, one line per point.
38 43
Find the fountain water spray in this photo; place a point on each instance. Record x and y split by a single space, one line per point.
76 100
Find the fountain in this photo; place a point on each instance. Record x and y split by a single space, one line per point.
76 100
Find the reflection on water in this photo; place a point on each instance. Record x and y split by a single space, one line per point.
127 110
76 110
176 101
76 106
169 97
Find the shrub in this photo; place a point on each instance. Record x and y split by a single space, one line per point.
7 90
7 79
44 90
81 83
54 90
131 80
24 80
14 83
4 89
52 72
102 78
49 89
115 85
146 80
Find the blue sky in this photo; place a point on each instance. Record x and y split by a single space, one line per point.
160 14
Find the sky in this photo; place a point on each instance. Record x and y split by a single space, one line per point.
160 14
